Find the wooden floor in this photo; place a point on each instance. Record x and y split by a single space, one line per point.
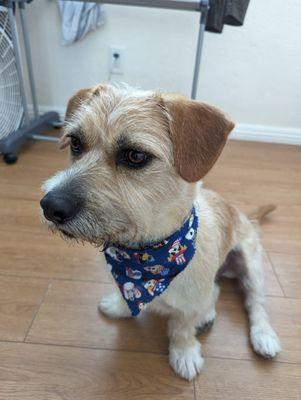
55 346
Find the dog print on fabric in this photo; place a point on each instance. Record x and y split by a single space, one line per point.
143 274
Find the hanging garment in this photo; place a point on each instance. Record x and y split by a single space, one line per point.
230 12
79 18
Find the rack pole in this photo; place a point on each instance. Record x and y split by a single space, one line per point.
198 57
28 58
16 45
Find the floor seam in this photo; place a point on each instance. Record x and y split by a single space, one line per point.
264 360
293 253
83 280
69 346
52 278
23 276
194 390
275 272
38 309
146 352
57 279
266 295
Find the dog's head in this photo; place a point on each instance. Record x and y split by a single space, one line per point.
135 159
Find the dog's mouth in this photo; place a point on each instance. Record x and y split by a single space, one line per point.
68 235
73 231
57 229
63 232
78 238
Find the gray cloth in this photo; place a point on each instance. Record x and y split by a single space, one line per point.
79 18
230 12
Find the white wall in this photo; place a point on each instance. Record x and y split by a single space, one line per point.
252 72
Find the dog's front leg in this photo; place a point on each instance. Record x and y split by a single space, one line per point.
184 349
114 306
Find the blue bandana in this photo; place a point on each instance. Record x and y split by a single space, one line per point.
144 273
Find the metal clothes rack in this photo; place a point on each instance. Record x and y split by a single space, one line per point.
33 128
201 6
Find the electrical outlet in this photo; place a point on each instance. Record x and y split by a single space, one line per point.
116 60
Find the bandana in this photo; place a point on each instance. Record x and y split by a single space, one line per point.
144 273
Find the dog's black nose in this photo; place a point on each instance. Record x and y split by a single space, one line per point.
59 208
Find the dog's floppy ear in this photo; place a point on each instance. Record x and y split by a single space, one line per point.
80 97
198 133
74 103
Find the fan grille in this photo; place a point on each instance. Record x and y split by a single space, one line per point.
11 109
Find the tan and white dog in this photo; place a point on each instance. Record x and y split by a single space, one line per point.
137 158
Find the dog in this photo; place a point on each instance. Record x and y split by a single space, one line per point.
137 159
130 292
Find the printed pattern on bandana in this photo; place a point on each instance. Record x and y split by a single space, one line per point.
144 273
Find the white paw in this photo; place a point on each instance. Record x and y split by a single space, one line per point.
265 342
186 362
114 306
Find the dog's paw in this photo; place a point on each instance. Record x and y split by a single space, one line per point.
265 342
187 362
114 306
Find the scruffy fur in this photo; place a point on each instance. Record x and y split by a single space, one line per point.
135 207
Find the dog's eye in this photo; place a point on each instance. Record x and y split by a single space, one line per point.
75 146
134 158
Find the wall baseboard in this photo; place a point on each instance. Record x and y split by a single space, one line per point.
248 132
267 133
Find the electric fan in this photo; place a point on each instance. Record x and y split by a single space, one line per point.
11 108
16 124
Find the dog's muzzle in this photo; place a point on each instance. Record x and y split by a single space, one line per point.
60 207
